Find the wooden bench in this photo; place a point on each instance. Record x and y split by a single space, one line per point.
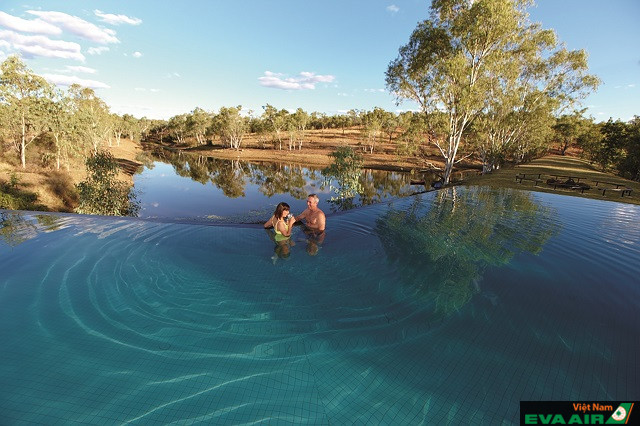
619 187
523 176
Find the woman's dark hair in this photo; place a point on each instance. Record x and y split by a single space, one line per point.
279 209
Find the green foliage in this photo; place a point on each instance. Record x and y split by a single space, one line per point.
102 193
615 145
25 97
443 247
14 198
231 126
346 170
629 165
483 59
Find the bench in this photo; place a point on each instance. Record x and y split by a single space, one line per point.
619 187
523 176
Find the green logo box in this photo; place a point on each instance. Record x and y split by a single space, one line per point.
579 412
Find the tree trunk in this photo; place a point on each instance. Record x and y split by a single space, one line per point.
23 146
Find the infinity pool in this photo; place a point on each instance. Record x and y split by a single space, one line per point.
447 307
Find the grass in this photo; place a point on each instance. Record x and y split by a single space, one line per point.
559 165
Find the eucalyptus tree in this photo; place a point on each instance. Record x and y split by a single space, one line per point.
91 118
414 129
119 127
132 127
277 120
319 120
468 51
629 167
300 120
390 123
143 125
610 148
340 121
232 126
540 79
197 122
292 131
568 128
26 98
372 125
60 125
178 128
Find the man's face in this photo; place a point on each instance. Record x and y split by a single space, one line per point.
312 203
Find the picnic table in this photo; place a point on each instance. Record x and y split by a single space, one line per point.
534 177
576 179
619 187
568 182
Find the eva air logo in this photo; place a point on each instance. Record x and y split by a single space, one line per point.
621 414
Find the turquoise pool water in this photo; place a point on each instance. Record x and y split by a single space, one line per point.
448 307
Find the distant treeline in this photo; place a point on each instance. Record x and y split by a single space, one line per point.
77 123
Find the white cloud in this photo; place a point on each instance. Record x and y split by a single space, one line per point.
81 69
77 26
304 81
42 46
173 75
374 90
97 50
137 54
37 26
116 19
393 8
67 80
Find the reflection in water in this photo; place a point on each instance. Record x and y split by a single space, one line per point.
15 229
262 181
18 227
444 247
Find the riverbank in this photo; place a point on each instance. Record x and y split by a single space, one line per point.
561 167
315 150
42 187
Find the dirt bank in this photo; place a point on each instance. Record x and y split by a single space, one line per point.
54 188
316 147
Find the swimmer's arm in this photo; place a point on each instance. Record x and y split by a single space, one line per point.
302 215
269 223
286 230
321 222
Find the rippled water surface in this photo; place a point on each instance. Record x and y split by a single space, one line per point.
450 306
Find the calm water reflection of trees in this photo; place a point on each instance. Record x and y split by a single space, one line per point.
16 228
443 247
232 177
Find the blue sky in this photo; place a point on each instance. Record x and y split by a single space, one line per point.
159 58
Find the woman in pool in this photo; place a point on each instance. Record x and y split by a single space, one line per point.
282 222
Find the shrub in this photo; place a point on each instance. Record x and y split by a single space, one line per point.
102 193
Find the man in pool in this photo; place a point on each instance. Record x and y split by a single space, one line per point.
314 218
314 223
